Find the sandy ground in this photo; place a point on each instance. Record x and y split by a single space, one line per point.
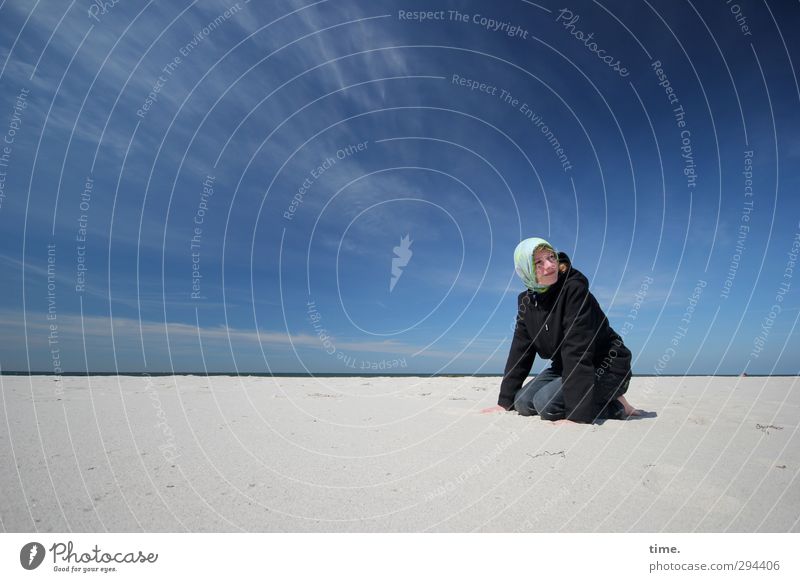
381 454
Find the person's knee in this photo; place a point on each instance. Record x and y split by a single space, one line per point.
543 402
552 414
524 409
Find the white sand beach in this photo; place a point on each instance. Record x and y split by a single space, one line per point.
382 454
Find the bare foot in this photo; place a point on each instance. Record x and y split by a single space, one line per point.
629 409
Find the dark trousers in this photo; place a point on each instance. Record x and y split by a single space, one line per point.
543 396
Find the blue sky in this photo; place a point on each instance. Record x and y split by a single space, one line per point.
252 167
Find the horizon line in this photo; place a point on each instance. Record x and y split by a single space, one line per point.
356 375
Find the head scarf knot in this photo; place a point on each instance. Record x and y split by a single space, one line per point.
523 262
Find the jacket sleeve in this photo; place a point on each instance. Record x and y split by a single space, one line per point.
520 360
577 353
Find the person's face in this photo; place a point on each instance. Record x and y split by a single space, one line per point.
546 265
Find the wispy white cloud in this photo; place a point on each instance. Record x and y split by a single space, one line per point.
97 330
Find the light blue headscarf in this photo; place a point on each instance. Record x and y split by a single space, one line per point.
523 262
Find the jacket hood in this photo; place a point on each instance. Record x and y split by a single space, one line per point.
566 273
573 274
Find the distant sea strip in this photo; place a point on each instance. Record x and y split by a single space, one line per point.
347 374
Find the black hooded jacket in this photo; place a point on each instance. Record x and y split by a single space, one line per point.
567 325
